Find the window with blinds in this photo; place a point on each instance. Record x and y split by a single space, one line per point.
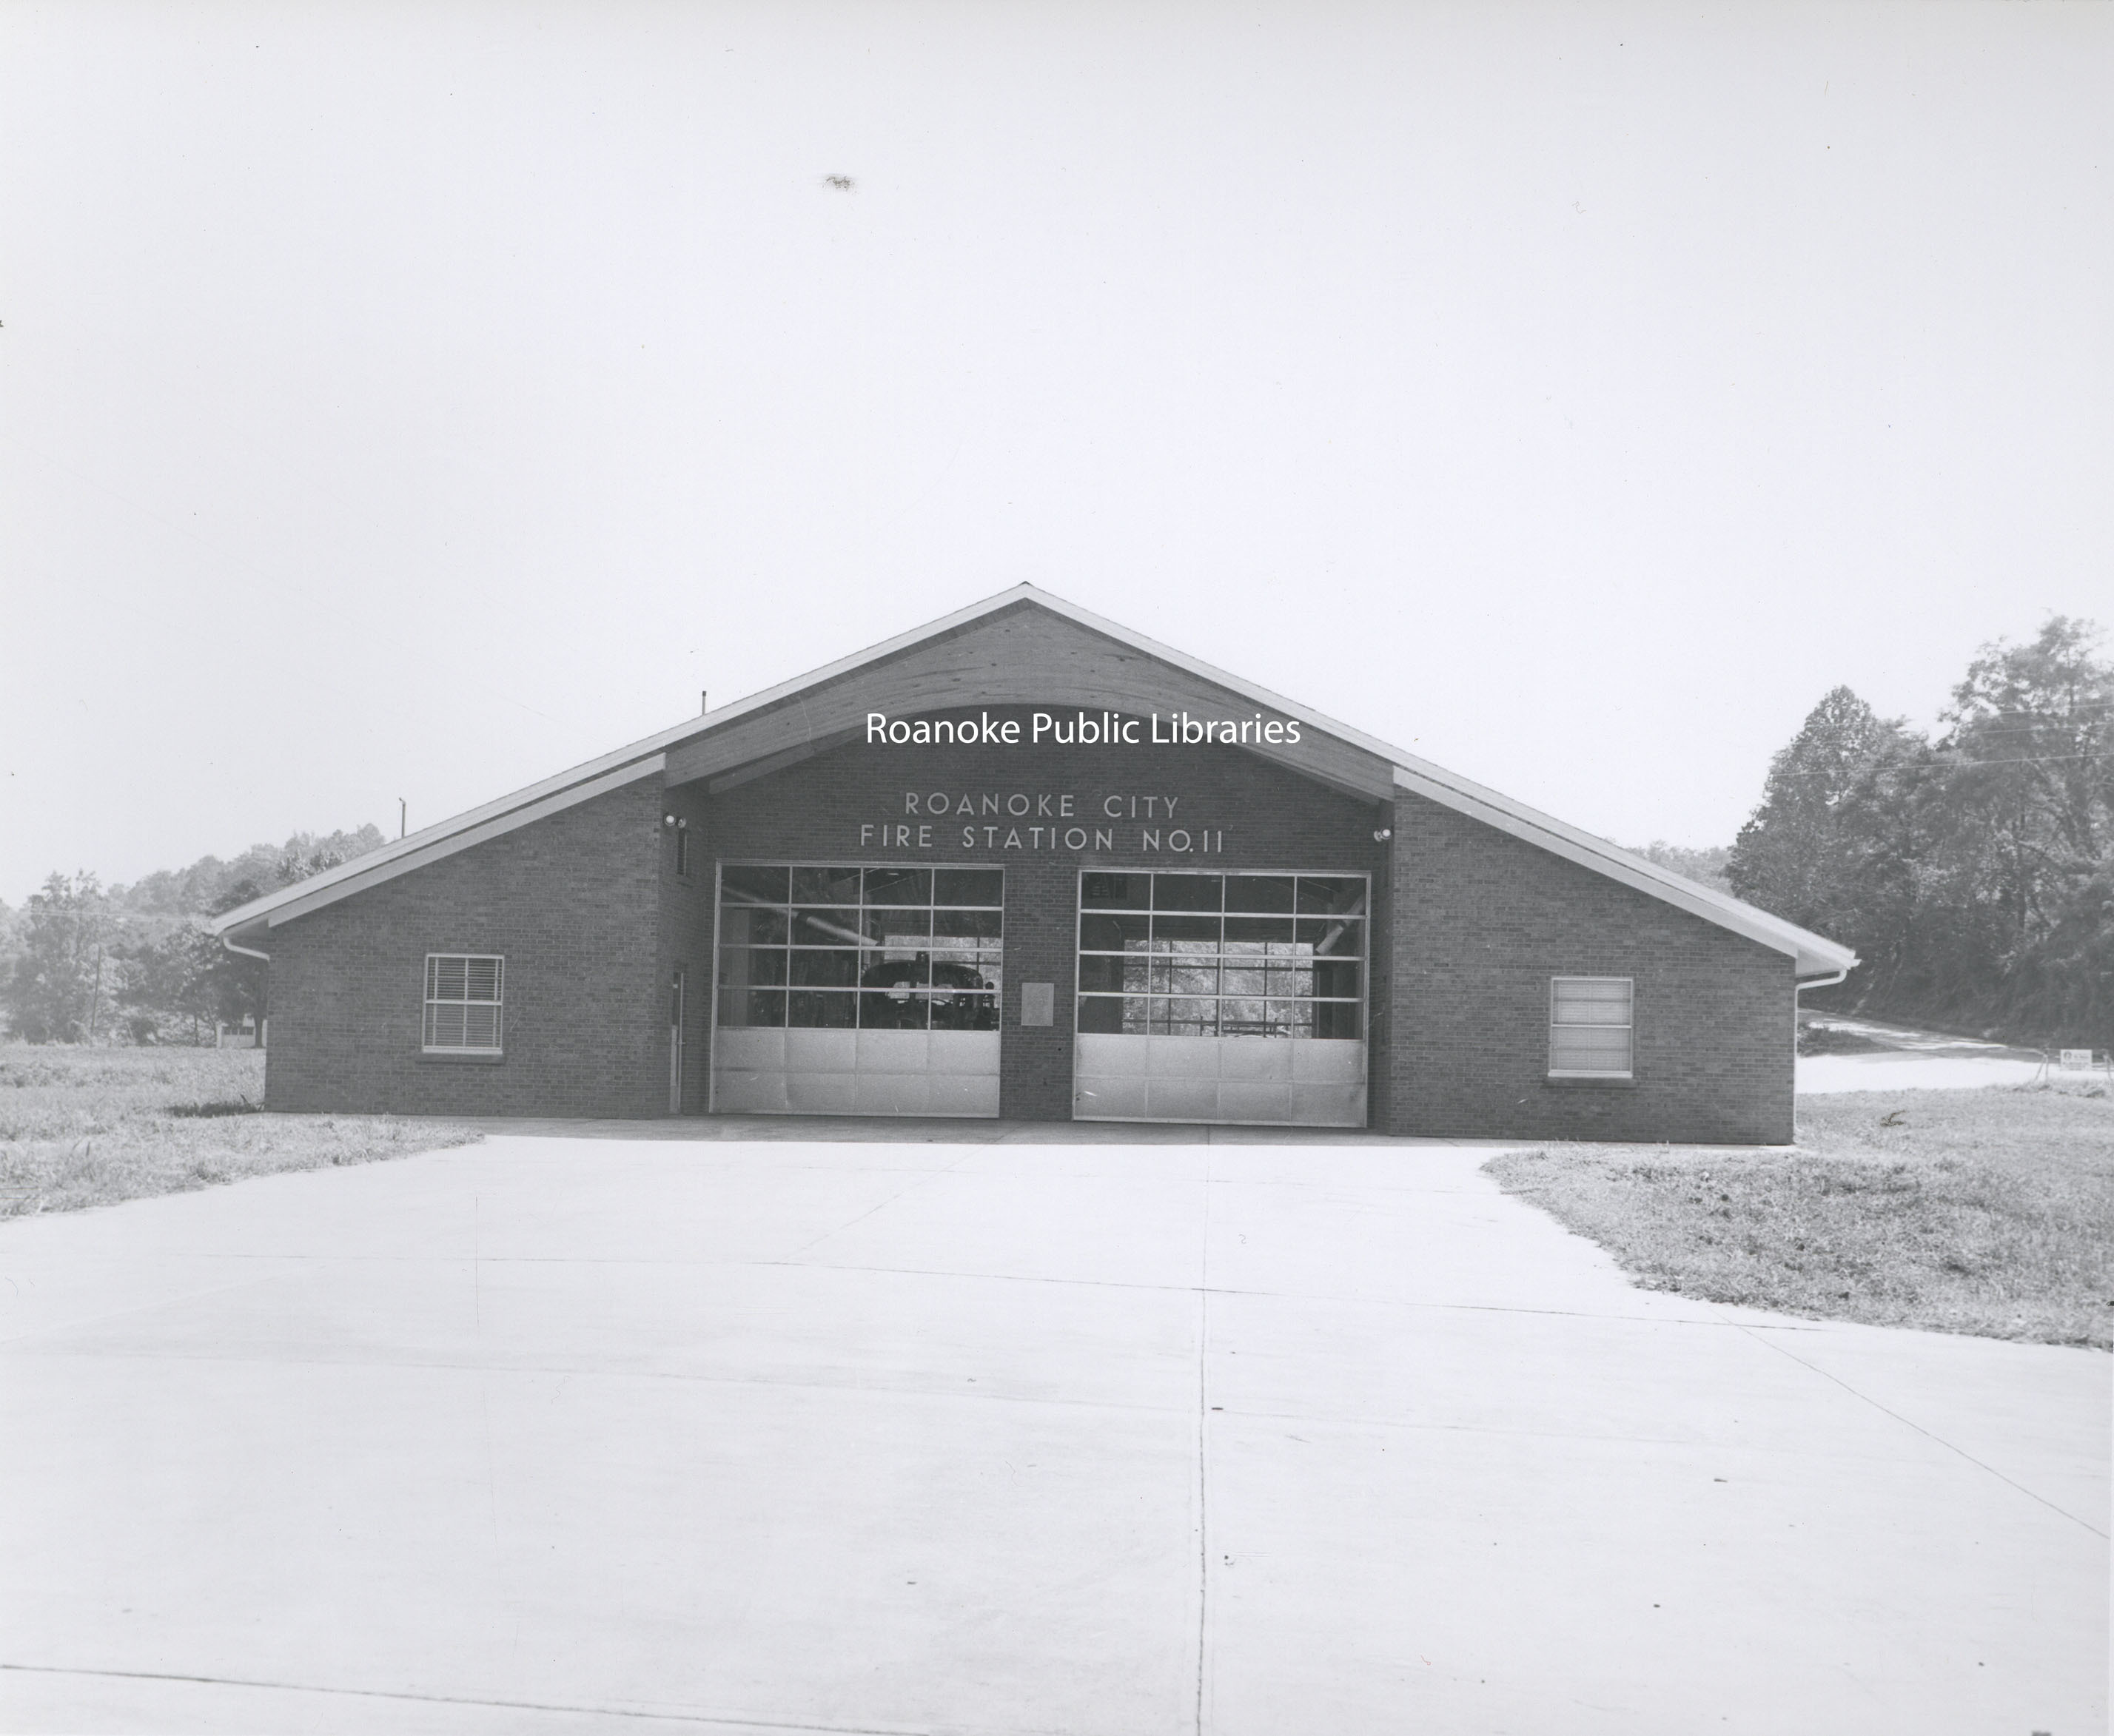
1590 1027
464 997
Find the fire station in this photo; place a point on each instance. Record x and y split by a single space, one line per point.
1024 864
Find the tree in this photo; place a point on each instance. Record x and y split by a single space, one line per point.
305 856
203 887
1792 857
170 983
63 975
2034 726
1705 865
1975 874
1912 883
10 943
137 961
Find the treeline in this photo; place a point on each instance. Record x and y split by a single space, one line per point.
1972 870
1706 865
82 962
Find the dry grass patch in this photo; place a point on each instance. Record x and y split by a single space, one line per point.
91 1126
1989 1211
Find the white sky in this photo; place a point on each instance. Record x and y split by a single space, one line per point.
416 400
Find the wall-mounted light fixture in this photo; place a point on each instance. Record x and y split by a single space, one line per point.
1384 834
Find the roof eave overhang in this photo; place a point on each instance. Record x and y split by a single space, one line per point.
462 833
1813 955
252 933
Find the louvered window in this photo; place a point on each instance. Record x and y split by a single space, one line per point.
463 995
1590 1027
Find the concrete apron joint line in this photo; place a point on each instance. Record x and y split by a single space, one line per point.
1203 1445
1760 1335
510 1706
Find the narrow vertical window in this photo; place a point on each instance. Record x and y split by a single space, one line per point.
464 999
682 850
1590 1027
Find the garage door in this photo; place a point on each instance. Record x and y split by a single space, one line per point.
1222 997
858 990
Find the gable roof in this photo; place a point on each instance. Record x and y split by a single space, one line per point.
800 716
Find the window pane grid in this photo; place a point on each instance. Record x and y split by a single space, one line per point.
464 996
843 946
1222 955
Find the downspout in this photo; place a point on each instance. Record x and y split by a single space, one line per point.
1811 982
1796 988
264 1022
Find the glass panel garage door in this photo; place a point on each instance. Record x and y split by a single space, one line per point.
858 991
1229 998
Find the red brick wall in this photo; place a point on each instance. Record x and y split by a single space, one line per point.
1485 921
571 901
1470 924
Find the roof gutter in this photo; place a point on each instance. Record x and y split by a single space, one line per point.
246 952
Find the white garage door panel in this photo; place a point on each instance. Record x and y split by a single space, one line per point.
856 1072
1233 1080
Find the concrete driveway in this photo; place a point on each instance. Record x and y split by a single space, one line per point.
563 1434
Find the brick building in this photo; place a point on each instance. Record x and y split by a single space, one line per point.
1025 863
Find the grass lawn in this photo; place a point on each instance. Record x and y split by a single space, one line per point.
1989 1211
91 1126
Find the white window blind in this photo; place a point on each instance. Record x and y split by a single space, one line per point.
464 999
1590 1026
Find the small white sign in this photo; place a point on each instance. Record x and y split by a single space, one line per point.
2076 1060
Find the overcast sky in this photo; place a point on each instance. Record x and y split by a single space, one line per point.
414 401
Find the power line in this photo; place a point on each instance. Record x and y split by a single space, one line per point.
2041 759
1939 761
